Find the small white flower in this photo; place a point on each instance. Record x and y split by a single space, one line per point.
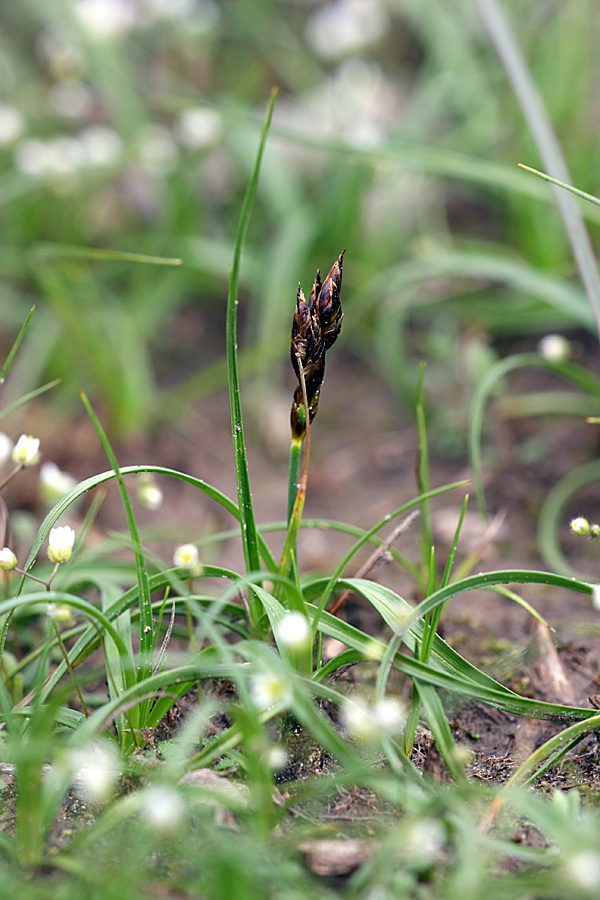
580 526
186 557
71 98
11 124
596 597
198 127
157 150
276 758
584 869
162 807
357 718
149 495
425 839
6 448
96 772
389 715
294 632
102 145
61 544
54 483
106 19
269 689
554 347
26 451
33 158
355 23
8 560
59 612
371 722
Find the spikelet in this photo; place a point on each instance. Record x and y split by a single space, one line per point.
315 328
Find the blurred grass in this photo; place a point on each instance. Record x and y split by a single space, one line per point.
136 134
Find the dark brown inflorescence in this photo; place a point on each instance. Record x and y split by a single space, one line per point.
315 329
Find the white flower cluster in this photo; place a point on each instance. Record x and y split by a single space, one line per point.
95 147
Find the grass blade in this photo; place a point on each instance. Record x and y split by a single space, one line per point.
147 638
48 251
249 535
568 187
15 346
541 130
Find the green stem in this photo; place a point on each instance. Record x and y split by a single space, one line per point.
65 656
295 448
291 538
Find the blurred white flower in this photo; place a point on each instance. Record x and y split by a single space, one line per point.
96 771
171 9
369 723
269 689
583 869
200 15
198 127
356 104
596 597
32 157
8 560
60 545
68 156
389 715
54 483
186 556
11 124
63 56
424 839
149 495
44 159
6 448
336 29
104 19
102 146
162 807
157 150
294 632
276 758
26 451
554 347
71 99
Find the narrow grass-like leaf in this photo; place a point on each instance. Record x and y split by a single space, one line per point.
16 345
367 535
48 251
568 187
552 520
547 144
27 397
88 484
248 524
438 723
146 631
574 373
555 747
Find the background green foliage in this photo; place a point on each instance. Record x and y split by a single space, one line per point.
396 135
